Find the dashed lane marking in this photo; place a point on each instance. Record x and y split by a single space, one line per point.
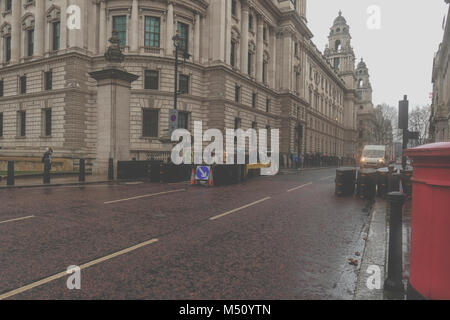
17 219
299 187
238 209
84 266
144 196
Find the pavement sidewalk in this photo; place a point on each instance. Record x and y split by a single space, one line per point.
30 182
376 251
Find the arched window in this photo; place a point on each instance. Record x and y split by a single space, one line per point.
338 45
360 83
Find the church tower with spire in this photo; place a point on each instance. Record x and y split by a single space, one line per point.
339 51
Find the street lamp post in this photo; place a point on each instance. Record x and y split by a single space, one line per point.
176 42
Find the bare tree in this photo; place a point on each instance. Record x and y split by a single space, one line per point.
384 124
419 121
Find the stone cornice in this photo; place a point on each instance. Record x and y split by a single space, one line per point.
35 62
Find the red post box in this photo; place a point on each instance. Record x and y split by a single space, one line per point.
430 222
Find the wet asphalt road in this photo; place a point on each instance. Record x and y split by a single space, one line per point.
282 237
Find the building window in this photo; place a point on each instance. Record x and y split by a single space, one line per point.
8 49
237 123
264 33
336 63
233 53
120 26
264 71
47 122
30 43
250 62
250 22
183 33
233 8
22 123
1 88
23 84
237 94
254 96
183 120
267 105
152 32
56 33
48 78
150 123
296 49
254 125
151 79
8 5
1 124
184 84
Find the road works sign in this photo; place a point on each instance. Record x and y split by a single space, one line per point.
202 173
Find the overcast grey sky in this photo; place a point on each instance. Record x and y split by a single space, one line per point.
400 54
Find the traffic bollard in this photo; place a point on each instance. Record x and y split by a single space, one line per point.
393 285
47 166
10 179
111 169
82 171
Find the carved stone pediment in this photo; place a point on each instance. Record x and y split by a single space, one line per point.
5 29
28 21
53 13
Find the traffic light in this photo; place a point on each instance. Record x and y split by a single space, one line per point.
403 113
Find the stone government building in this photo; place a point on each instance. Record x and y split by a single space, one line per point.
253 65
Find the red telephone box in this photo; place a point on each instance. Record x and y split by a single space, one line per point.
430 222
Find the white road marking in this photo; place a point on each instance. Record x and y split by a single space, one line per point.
144 196
84 266
17 219
238 209
326 178
299 187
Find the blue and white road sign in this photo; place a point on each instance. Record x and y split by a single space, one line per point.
202 173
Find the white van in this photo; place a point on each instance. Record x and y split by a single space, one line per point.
373 157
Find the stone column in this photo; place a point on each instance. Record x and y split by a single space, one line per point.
287 61
228 32
259 49
102 28
134 32
273 58
197 38
39 28
244 37
63 26
170 32
113 116
16 31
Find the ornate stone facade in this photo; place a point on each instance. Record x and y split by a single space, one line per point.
440 108
252 63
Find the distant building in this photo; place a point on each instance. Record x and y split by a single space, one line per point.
440 108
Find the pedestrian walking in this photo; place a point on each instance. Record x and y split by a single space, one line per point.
48 154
